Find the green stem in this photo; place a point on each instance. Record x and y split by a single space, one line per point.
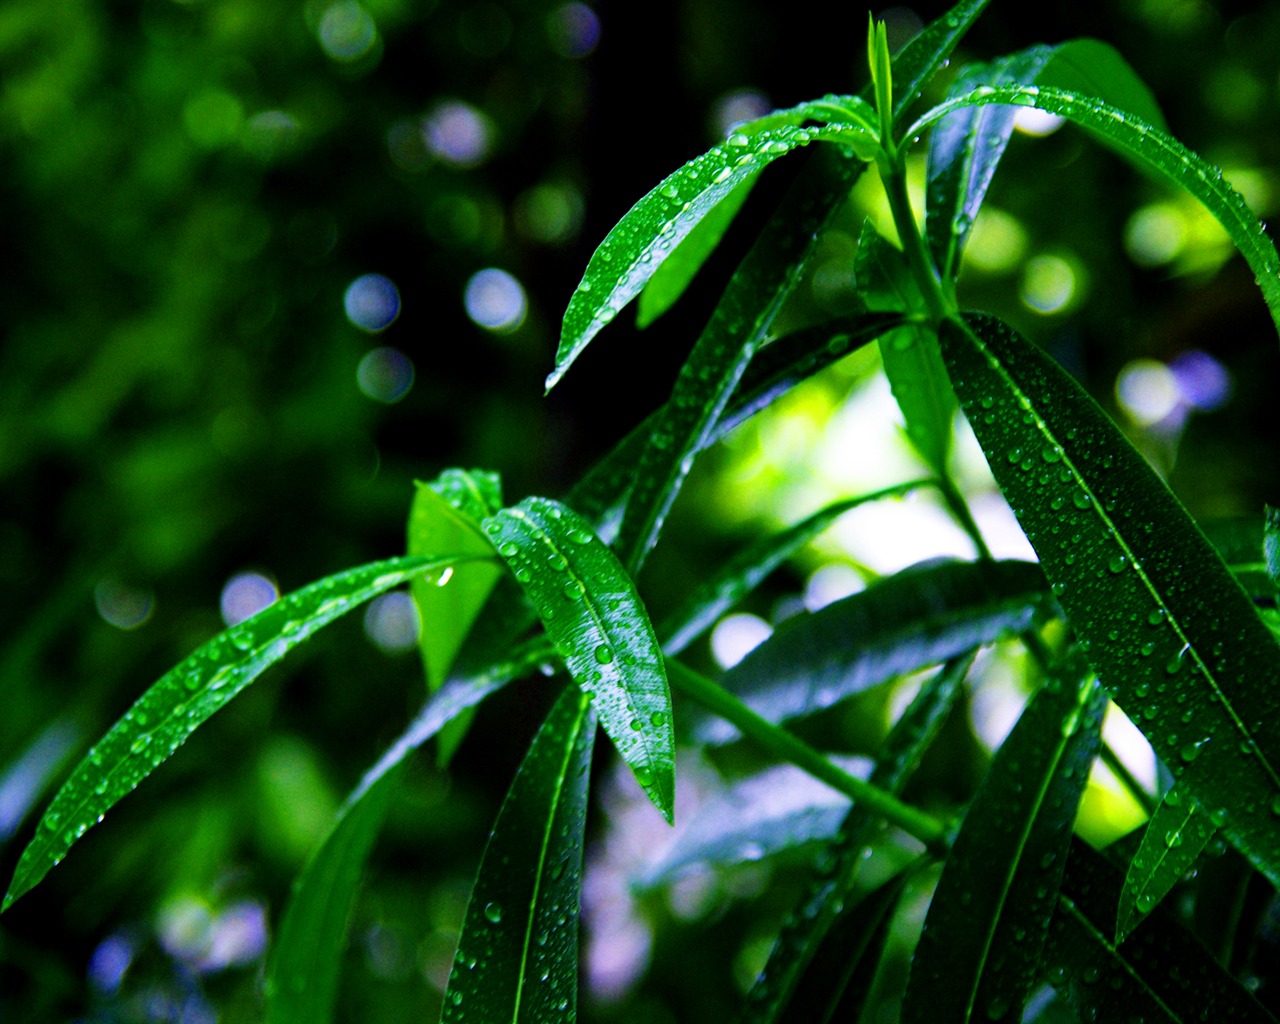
719 701
960 510
893 175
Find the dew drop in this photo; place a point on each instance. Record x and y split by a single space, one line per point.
658 719
604 654
493 912
1117 564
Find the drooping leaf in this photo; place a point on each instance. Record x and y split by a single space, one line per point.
1171 844
919 617
593 614
1174 638
978 956
1161 974
174 707
805 933
678 270
652 229
1153 148
928 53
517 957
303 970
1095 68
745 571
445 516
742 320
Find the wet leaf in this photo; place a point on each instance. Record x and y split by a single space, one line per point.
517 957
172 709
1271 544
978 955
919 617
929 52
303 970
1173 636
1171 844
593 614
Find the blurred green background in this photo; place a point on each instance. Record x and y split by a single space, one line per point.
267 263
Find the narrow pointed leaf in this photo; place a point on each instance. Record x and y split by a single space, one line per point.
653 228
1155 149
978 956
805 933
747 570
1172 634
917 618
741 322
929 52
445 516
593 614
1161 975
517 957
1271 544
174 707
303 971
1171 844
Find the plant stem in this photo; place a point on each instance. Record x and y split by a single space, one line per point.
960 510
719 701
893 175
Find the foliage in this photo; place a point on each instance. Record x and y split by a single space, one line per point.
1134 606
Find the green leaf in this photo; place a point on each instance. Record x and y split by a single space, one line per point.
929 52
1240 542
1171 844
747 570
806 932
1173 636
445 516
302 973
593 614
1160 975
741 322
979 952
1097 69
671 279
919 617
517 957
1271 544
171 710
653 228
1155 149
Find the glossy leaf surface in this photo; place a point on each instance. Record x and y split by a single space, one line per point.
1171 844
172 709
978 956
1174 638
517 957
917 618
593 614
1271 544
929 52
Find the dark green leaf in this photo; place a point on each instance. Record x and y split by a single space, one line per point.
928 53
1155 149
517 957
1171 844
711 599
171 710
594 616
980 948
1173 636
920 617
1240 543
1095 68
1271 544
1160 975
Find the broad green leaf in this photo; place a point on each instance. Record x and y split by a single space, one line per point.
445 516
805 934
978 956
517 957
1161 975
1171 844
1271 544
1173 636
652 229
671 279
302 973
593 614
1155 149
929 52
747 570
174 707
919 617
741 322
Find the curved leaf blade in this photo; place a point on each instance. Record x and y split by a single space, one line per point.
593 614
1271 544
173 708
1171 844
928 53
980 948
1152 148
517 957
1182 658
919 617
